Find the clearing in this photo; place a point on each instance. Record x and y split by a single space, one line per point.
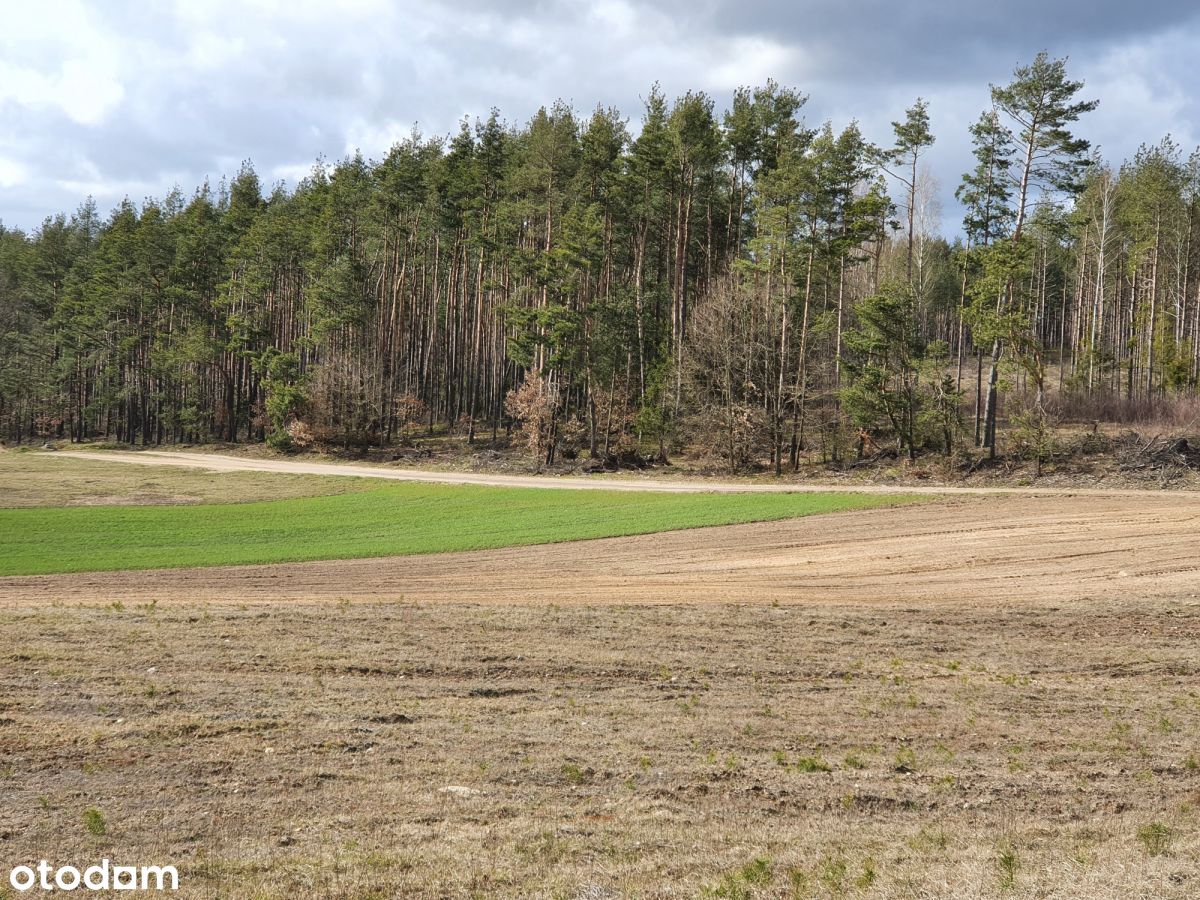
987 696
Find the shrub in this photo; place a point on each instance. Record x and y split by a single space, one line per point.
811 764
300 434
906 760
1156 838
573 773
93 821
535 405
1008 863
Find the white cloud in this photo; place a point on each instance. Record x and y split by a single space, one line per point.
63 58
12 173
375 139
617 16
86 94
1146 91
292 173
130 97
750 61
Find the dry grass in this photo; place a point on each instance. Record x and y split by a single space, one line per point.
34 478
932 750
1169 414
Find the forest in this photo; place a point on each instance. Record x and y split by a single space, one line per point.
736 283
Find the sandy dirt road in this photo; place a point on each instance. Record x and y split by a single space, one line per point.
220 463
965 549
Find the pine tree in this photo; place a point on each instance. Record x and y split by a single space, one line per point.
986 192
913 137
1040 103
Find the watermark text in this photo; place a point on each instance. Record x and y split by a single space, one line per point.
103 876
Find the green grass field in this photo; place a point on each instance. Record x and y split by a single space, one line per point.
390 520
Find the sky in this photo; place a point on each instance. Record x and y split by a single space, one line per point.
121 99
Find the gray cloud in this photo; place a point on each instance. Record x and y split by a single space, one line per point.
131 99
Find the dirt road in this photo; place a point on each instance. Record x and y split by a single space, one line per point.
221 463
964 549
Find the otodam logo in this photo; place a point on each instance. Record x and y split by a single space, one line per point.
101 877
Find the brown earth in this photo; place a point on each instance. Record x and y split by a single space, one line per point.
981 696
378 749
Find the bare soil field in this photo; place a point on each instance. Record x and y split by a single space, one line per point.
400 748
976 697
986 551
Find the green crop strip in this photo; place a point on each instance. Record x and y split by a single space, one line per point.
392 520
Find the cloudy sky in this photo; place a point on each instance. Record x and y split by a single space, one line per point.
121 99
